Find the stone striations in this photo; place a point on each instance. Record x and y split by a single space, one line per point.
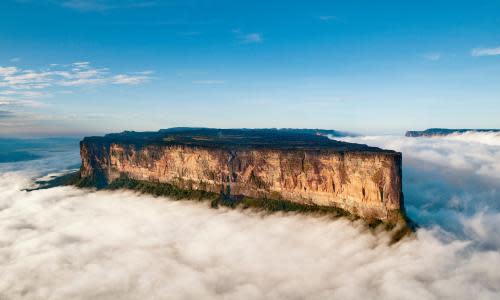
294 166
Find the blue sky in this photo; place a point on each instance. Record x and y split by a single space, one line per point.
74 67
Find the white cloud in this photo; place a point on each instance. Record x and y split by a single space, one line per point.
84 5
25 79
5 114
24 85
24 93
66 243
248 38
328 18
4 100
491 138
5 71
130 79
82 82
432 56
485 51
449 179
29 103
252 38
147 72
473 152
102 5
209 82
83 64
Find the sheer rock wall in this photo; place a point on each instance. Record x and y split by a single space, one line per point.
367 184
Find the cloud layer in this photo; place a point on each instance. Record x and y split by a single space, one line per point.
24 86
485 51
68 243
451 182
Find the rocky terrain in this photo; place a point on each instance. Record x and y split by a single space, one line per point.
444 131
300 166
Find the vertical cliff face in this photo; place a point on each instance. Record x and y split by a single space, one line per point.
363 181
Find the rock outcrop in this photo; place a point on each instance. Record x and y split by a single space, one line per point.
295 166
444 132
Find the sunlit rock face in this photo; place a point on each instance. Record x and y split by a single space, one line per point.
303 168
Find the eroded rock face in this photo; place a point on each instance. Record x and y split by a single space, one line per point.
365 183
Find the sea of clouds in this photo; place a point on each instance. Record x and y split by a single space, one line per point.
67 243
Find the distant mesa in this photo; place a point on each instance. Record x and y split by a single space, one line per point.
444 132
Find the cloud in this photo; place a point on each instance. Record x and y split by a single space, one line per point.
19 102
66 243
4 114
100 5
85 5
130 79
432 56
28 93
6 71
252 38
328 18
449 179
83 81
28 85
209 82
81 64
491 138
248 38
485 51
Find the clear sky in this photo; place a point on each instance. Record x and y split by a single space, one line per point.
93 66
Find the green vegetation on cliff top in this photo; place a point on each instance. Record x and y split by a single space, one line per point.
233 139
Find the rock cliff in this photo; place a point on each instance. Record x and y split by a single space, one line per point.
300 167
431 132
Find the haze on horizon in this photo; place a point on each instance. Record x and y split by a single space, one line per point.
75 67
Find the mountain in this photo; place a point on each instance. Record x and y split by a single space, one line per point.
301 167
444 132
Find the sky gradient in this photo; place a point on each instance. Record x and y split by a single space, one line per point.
76 67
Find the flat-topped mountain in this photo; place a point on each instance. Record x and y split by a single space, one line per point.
300 166
444 132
